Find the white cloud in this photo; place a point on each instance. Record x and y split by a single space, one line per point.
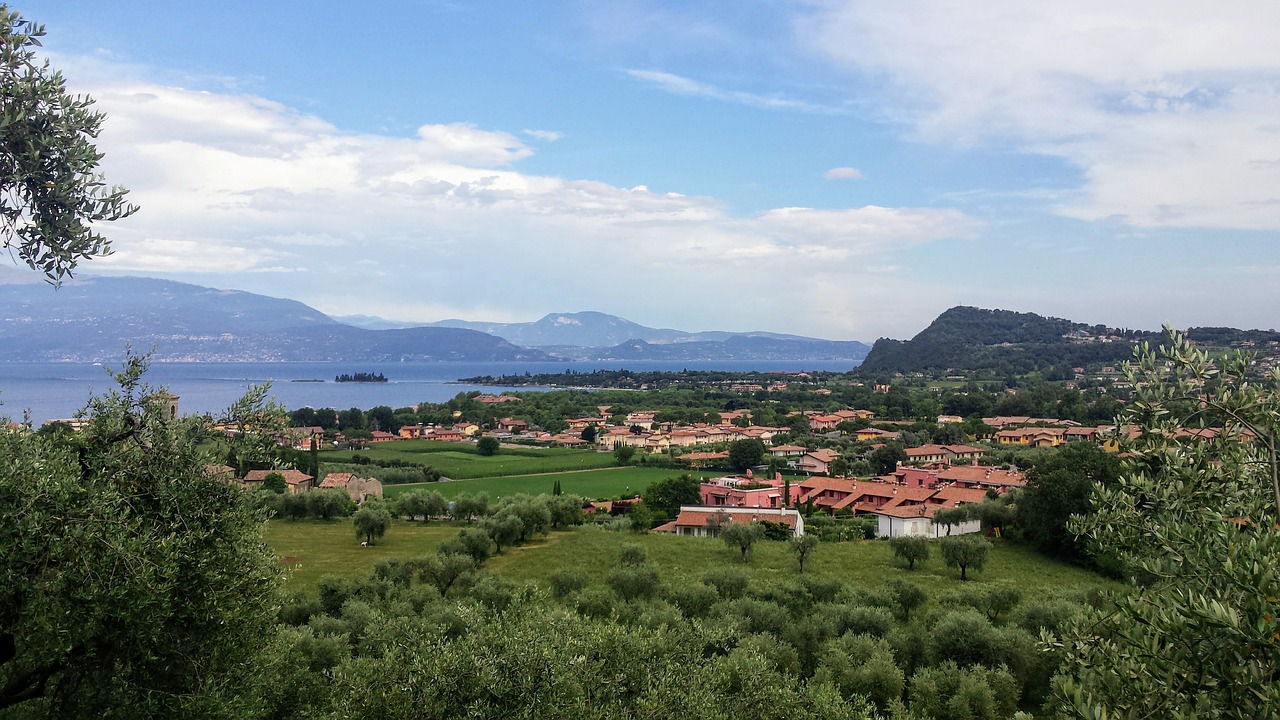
251 194
842 173
1167 107
678 85
544 135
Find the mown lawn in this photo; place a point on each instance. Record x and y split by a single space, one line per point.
312 549
605 483
460 460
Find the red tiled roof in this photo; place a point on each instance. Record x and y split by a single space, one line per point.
291 477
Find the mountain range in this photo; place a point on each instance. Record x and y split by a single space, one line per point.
93 319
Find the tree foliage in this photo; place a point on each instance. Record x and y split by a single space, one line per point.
129 578
371 522
741 536
802 547
50 191
1059 485
965 552
1192 521
910 549
487 446
666 496
746 453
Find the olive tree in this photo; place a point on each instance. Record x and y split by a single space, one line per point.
910 548
129 577
371 522
965 552
51 194
802 547
1192 522
741 536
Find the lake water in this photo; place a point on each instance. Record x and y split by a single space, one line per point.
57 390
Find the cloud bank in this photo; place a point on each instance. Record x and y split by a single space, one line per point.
1167 108
248 193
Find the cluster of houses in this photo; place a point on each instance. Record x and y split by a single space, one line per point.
297 482
903 502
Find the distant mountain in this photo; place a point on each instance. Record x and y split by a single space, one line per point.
370 322
599 330
732 348
93 319
969 338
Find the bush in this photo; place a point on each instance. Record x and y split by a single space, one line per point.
634 583
870 621
729 583
487 446
693 601
949 691
566 581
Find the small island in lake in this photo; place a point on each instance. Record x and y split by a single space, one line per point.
361 378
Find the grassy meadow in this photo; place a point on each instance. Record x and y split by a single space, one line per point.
461 461
603 483
596 484
312 549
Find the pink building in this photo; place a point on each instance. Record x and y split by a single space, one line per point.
728 492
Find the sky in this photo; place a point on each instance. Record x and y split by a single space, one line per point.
833 168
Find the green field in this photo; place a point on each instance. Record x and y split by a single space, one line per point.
312 549
595 484
460 460
605 483
866 563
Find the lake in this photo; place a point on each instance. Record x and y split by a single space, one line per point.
57 390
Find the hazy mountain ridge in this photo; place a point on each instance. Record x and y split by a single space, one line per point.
591 329
90 320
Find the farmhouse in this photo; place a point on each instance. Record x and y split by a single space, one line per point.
295 480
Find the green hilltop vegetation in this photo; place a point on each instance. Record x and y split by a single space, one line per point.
968 340
1002 341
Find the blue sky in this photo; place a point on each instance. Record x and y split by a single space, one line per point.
826 167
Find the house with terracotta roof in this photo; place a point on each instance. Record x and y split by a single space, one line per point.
954 495
357 488
702 521
981 476
876 435
787 451
730 492
445 434
942 454
817 462
509 425
835 494
295 481
918 520
701 459
1032 437
496 399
